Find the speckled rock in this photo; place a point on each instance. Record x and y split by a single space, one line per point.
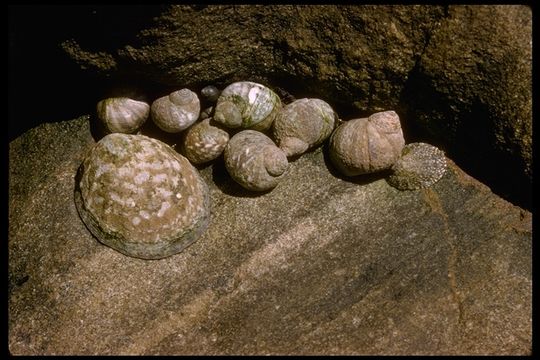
140 197
318 266
419 166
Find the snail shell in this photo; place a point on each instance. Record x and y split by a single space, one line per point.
122 114
203 142
210 93
420 166
303 124
176 111
247 105
367 145
140 197
254 161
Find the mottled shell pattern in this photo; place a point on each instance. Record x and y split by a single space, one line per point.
254 161
203 142
420 166
303 124
176 111
247 105
367 145
140 197
122 114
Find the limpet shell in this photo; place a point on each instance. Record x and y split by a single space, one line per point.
140 197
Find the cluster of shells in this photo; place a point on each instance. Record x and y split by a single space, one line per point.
257 135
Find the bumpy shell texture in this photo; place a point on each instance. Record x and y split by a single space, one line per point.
203 142
367 145
140 197
254 161
176 111
303 124
247 105
122 114
420 166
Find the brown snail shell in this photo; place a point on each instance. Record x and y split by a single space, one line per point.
303 124
176 111
203 142
247 105
367 145
254 161
122 114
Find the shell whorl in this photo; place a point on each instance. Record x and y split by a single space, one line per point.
177 111
254 161
247 105
367 145
203 142
303 124
122 114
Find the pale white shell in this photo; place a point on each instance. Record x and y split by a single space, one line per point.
247 105
303 124
176 111
367 145
254 161
122 114
203 142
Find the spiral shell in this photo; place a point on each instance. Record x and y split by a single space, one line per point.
247 105
176 111
210 93
254 161
303 124
203 142
122 114
420 166
140 197
367 145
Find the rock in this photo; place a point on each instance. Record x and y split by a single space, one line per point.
319 265
140 197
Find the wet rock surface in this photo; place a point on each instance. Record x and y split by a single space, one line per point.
318 265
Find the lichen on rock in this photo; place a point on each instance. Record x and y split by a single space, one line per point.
140 197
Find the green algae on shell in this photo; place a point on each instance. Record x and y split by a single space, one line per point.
140 197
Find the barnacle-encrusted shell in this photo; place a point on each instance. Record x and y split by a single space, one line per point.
140 197
203 142
176 111
247 105
303 124
420 165
122 114
254 161
367 145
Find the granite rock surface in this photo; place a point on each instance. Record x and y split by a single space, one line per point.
319 265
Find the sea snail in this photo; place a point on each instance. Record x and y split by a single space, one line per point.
210 93
140 197
367 145
419 166
122 114
303 124
254 161
247 105
203 142
176 111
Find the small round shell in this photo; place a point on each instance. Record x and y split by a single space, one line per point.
303 124
247 105
122 114
176 111
203 142
420 166
210 93
254 161
367 145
